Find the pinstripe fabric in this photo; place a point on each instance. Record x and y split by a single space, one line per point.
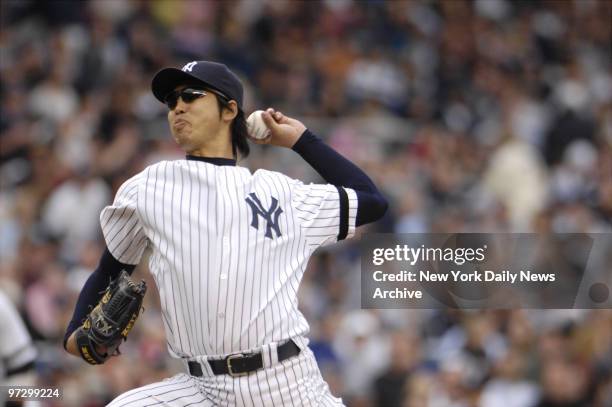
180 390
294 382
228 252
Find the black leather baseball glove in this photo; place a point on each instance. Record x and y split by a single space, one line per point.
110 322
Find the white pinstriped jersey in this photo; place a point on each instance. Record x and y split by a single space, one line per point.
229 249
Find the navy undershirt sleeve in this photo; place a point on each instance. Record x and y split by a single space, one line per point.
108 269
337 170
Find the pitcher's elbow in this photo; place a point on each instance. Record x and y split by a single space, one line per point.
381 206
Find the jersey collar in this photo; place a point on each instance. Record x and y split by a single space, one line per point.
213 160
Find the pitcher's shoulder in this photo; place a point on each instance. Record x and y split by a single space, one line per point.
160 168
156 170
267 175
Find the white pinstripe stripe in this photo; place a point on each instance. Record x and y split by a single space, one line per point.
178 259
207 314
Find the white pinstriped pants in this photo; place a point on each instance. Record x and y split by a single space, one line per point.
296 381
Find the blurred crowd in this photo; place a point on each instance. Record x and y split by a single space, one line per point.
471 116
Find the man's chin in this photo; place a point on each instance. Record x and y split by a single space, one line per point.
183 141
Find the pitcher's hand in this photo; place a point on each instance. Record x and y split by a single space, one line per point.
284 131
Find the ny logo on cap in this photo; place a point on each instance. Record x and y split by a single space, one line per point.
270 215
189 66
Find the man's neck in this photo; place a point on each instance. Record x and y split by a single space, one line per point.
218 148
212 154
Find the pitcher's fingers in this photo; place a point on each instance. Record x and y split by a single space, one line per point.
269 119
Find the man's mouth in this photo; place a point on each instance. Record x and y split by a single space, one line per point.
180 123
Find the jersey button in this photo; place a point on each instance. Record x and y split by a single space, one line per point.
224 276
221 315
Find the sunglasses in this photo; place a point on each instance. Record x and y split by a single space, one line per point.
189 95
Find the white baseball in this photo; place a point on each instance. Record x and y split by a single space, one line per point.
256 126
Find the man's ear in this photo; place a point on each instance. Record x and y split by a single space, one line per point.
230 111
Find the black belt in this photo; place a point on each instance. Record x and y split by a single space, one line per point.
241 364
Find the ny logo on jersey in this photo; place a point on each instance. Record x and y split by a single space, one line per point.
270 216
188 67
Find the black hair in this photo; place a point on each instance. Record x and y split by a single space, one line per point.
238 130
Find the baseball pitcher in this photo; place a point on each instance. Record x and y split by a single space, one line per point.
229 249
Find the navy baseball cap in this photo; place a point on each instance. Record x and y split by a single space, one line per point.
212 74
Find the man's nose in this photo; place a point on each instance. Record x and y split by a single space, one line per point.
181 106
